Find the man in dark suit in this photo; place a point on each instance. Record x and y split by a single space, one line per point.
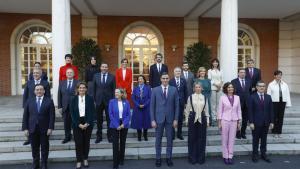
29 89
156 70
242 88
38 123
189 78
261 119
181 87
104 87
37 65
164 110
253 74
66 90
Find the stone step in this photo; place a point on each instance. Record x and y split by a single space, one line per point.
17 146
143 153
7 136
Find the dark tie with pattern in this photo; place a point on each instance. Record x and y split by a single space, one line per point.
243 84
165 92
178 83
69 85
38 104
103 78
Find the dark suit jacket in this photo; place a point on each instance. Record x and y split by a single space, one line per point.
154 75
182 90
242 93
64 95
29 90
260 115
189 83
89 111
104 92
114 113
255 78
45 118
43 77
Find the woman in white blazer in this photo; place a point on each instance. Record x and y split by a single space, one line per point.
280 94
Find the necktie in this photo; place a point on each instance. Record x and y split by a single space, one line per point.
186 75
261 98
103 78
69 85
37 82
38 104
165 93
177 83
243 84
159 68
280 90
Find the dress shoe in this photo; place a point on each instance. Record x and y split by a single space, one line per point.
121 163
158 162
98 140
254 159
26 143
244 137
66 140
265 158
230 161
225 161
109 139
169 162
115 167
44 167
180 137
85 164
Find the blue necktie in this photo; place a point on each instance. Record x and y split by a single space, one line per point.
69 85
38 104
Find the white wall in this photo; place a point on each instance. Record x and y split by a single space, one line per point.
289 53
190 33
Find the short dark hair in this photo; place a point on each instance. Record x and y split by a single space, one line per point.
225 86
277 72
137 78
39 63
215 60
68 56
103 63
185 62
250 60
241 69
260 82
158 54
93 57
122 61
77 87
39 85
164 73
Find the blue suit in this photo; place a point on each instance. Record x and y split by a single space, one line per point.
114 113
244 94
164 111
38 122
154 74
182 93
261 115
29 90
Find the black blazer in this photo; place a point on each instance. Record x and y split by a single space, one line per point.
255 78
29 90
154 76
45 118
238 90
182 91
258 114
89 111
64 95
103 92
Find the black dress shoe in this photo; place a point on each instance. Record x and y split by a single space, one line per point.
244 137
66 140
254 159
180 137
115 167
169 162
265 158
98 140
158 162
26 143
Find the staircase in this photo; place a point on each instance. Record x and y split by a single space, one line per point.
12 150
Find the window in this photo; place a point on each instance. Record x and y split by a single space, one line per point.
245 48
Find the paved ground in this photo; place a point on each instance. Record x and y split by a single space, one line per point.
242 162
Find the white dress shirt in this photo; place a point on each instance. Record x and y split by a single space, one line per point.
124 73
163 89
185 74
177 79
105 77
120 106
273 90
81 106
158 65
198 104
37 81
216 77
37 98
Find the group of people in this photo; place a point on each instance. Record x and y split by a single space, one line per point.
199 100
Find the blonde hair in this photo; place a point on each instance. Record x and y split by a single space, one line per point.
201 69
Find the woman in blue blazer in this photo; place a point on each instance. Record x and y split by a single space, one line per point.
141 97
82 110
119 114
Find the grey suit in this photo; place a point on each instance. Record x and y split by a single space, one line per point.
189 82
164 111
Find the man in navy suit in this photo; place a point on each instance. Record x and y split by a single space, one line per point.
38 123
261 119
66 90
29 89
37 65
104 87
156 70
181 87
242 88
164 110
253 74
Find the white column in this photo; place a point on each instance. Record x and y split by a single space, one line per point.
61 39
229 37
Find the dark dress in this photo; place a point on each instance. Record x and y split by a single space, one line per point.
90 71
141 116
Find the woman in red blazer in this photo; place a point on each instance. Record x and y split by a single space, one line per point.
124 82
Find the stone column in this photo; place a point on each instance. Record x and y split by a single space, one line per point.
229 39
61 39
